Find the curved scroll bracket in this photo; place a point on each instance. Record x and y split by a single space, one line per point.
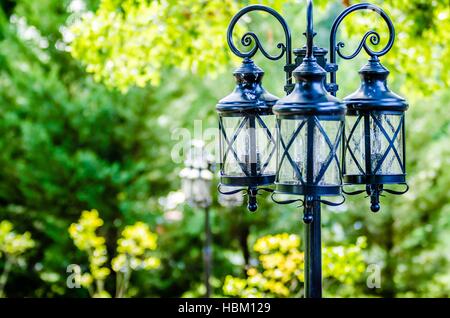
250 192
375 191
373 36
249 37
219 189
307 204
308 214
395 192
370 36
286 201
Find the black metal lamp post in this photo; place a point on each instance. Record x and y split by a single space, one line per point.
310 122
314 151
196 185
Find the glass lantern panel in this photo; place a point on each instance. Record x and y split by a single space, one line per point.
398 144
327 135
228 154
252 149
265 144
355 152
292 153
386 142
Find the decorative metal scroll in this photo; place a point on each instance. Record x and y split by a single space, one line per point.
372 36
248 38
250 192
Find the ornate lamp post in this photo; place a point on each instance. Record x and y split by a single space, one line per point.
314 152
196 185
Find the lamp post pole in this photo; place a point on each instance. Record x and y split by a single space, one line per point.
313 253
310 124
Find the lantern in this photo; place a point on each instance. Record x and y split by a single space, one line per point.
309 129
375 134
246 123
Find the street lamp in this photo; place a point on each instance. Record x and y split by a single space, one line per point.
196 179
315 154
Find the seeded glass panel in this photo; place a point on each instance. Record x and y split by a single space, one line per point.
325 165
265 145
293 163
380 142
239 132
355 155
231 166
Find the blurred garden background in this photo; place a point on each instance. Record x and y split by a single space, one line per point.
91 92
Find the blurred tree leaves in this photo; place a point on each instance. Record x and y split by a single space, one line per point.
126 43
130 42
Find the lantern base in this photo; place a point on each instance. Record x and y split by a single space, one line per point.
374 179
247 181
314 190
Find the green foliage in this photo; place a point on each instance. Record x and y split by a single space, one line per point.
130 42
422 220
281 269
133 253
85 238
126 43
12 248
12 245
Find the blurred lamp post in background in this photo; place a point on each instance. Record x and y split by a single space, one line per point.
196 179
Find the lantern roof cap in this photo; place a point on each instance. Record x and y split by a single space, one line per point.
248 95
373 93
309 96
248 67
